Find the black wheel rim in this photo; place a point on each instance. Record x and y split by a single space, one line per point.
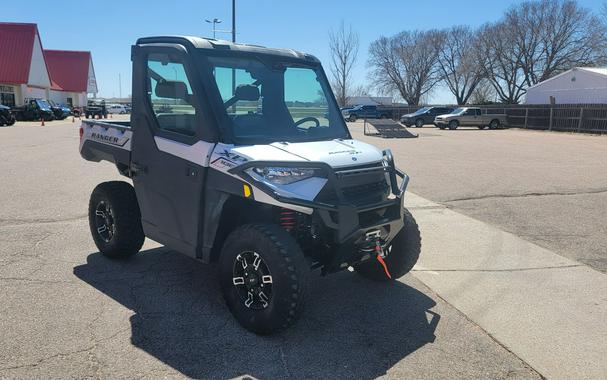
253 280
104 221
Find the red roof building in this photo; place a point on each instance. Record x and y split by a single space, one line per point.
72 76
23 70
29 71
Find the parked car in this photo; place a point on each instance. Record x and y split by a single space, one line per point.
60 111
95 108
117 109
425 115
268 201
365 112
6 116
34 109
470 117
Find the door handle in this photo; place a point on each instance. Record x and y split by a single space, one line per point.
138 169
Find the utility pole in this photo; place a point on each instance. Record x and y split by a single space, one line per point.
119 86
233 20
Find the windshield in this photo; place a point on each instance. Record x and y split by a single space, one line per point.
457 111
421 110
43 104
276 101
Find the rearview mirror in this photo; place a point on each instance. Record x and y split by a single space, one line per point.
172 89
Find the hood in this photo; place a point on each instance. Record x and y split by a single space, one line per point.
336 153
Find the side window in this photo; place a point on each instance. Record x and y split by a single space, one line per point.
170 94
479 112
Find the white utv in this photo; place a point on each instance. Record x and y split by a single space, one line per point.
239 155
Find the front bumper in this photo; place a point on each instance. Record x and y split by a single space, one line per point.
351 223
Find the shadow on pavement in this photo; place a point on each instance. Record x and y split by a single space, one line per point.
351 327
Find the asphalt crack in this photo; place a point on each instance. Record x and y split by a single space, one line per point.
500 270
526 195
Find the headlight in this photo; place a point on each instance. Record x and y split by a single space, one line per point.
283 176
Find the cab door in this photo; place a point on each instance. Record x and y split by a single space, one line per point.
169 156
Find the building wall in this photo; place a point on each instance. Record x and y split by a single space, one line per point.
38 75
78 98
32 92
573 87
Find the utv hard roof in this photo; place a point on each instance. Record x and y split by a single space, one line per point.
214 44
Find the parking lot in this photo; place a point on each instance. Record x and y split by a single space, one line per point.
550 188
482 199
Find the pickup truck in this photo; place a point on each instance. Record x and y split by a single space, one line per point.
251 167
470 117
365 112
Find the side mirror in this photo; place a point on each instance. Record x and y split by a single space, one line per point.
172 90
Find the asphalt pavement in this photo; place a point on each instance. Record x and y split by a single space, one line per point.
68 312
548 187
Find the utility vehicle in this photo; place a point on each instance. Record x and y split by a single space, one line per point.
34 109
6 116
95 108
251 167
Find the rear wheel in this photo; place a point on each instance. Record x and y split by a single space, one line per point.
401 254
115 219
495 124
264 277
453 124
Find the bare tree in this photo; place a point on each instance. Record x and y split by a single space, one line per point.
483 93
460 70
501 61
343 45
552 36
406 62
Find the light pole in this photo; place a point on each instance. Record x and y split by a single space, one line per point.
214 21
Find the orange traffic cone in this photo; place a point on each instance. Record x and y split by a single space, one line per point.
73 119
42 119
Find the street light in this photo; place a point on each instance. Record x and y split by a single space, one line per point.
214 21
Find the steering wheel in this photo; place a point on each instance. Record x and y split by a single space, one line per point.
306 119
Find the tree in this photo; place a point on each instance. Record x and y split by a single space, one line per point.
343 45
552 36
501 61
459 69
483 93
406 62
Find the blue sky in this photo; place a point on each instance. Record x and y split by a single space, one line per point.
108 28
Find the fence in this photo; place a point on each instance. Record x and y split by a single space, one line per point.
588 118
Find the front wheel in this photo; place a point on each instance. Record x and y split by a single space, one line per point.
453 124
401 254
264 277
495 124
352 118
115 219
419 123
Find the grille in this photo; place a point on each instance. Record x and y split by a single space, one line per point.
360 190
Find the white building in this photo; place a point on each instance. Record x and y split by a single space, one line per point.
580 85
